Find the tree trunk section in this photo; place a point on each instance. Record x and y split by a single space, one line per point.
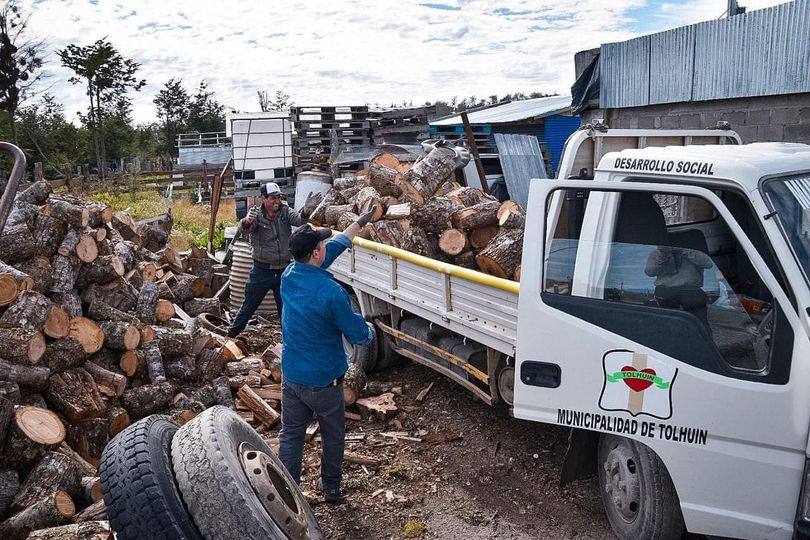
33 377
416 241
210 363
435 216
91 491
54 472
9 485
55 509
203 268
6 416
33 432
75 394
244 366
501 257
173 342
13 281
109 382
346 183
17 243
511 215
187 287
479 215
48 234
118 294
263 412
368 199
100 311
122 222
154 362
182 368
87 248
353 384
65 273
466 260
453 242
94 513
75 215
117 420
36 194
421 181
331 198
345 220
120 336
69 302
20 345
89 530
147 302
64 354
29 311
103 269
88 333
468 196
132 363
390 233
398 211
384 180
333 213
197 306
222 391
88 438
148 399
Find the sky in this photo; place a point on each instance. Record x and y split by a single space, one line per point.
349 52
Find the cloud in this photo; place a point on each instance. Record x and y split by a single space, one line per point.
331 52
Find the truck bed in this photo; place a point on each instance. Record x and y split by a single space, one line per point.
477 306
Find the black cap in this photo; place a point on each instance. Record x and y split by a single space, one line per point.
305 238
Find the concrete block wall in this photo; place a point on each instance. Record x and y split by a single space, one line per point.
784 118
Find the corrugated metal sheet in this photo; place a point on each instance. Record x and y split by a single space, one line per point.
512 112
625 73
672 53
195 155
763 52
240 271
521 161
556 131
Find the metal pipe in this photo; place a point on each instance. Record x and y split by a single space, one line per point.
14 180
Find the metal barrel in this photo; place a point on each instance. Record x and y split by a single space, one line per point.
240 271
309 182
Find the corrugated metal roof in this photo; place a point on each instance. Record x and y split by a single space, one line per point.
512 112
625 73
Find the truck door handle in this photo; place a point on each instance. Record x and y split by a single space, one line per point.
542 374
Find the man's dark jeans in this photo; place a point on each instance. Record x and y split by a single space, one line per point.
300 404
260 282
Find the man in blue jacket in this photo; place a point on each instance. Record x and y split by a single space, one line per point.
317 315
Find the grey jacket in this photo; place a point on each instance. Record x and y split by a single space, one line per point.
270 239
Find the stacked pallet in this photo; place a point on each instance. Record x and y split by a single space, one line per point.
401 126
417 207
92 336
318 129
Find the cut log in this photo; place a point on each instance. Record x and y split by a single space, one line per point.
347 182
244 366
132 363
48 234
65 273
511 215
453 242
182 368
10 391
368 199
352 457
33 432
69 302
88 333
173 342
33 377
6 416
468 196
88 530
261 410
387 159
36 194
117 420
12 282
154 238
331 198
501 257
98 214
479 215
9 485
120 336
416 241
147 302
69 242
466 260
54 472
353 384
86 248
103 269
91 489
109 382
398 211
421 181
122 222
74 214
63 354
75 394
435 216
187 287
232 351
222 391
21 346
154 362
389 232
148 271
345 220
254 380
148 399
118 294
17 243
210 363
30 311
196 306
100 311
55 509
384 180
381 407
333 213
164 310
88 438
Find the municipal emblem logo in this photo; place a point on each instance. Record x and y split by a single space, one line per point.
637 383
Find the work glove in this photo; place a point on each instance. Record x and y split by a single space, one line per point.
365 217
252 214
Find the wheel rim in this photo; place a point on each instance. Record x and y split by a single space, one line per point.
506 385
273 492
622 482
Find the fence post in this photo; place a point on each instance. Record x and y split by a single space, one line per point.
38 171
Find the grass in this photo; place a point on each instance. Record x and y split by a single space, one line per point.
412 529
190 220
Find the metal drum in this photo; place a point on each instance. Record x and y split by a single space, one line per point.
240 271
308 182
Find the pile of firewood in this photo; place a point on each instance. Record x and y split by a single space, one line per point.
420 209
101 323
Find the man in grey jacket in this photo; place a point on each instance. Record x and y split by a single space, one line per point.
270 226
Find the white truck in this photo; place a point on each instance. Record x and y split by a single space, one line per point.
663 314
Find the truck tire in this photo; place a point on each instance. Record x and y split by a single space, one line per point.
640 500
387 357
365 355
140 493
234 485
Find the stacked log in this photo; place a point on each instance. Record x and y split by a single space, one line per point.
421 209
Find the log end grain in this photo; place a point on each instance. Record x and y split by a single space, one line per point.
41 426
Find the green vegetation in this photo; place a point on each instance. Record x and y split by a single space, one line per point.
412 529
397 472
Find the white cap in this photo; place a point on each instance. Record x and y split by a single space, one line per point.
271 188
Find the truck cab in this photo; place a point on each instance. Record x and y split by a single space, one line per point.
664 307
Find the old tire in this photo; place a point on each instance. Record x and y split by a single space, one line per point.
365 355
207 454
640 500
140 493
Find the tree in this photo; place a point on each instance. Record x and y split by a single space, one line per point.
205 114
20 61
279 102
108 76
173 109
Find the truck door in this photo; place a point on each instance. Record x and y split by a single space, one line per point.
631 327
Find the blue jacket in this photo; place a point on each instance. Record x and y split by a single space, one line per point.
317 314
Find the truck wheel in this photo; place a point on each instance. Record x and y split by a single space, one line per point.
365 355
139 489
640 500
234 485
387 357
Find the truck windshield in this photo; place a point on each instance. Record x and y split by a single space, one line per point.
790 199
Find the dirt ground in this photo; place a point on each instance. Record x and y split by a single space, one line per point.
498 479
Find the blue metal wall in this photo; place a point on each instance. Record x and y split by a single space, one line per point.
557 130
